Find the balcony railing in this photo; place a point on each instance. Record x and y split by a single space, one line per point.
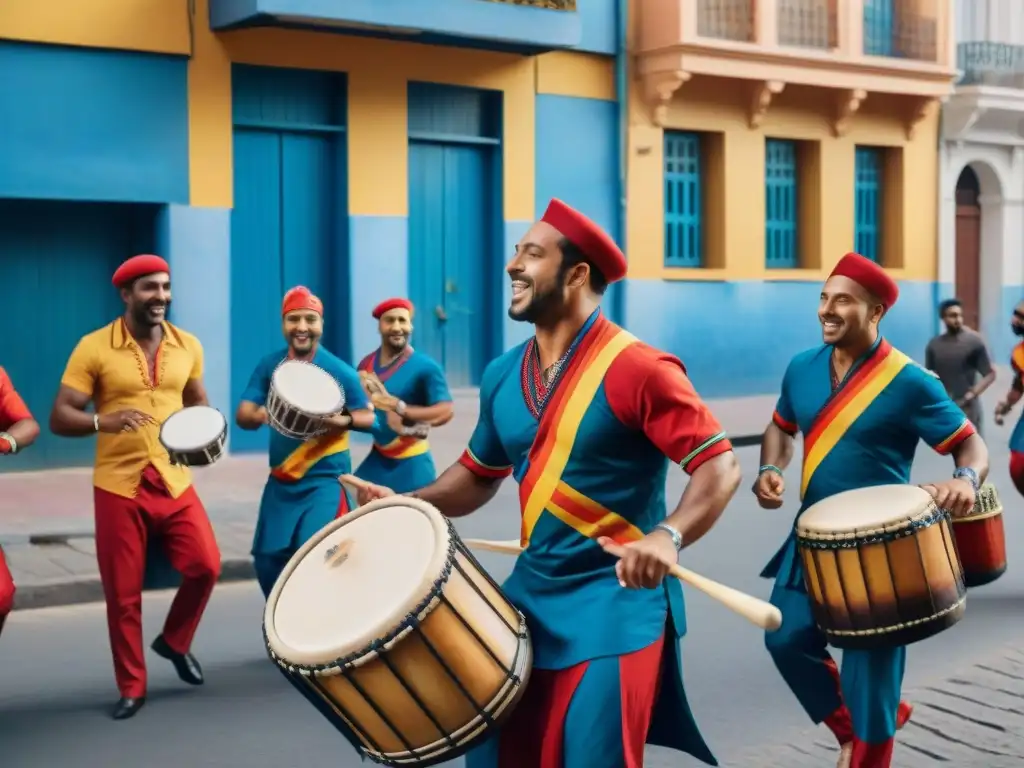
898 31
984 63
726 19
808 23
554 5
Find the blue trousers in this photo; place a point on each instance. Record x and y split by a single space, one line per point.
868 682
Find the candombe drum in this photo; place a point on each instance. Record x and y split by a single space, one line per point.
881 567
395 633
194 436
980 539
301 395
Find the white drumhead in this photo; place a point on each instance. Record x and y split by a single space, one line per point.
863 508
317 613
308 387
192 428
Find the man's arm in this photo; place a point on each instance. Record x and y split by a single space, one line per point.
357 406
16 420
69 417
440 409
929 356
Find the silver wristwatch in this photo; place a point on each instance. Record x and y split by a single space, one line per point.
677 537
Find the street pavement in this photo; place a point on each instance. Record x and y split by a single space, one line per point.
56 682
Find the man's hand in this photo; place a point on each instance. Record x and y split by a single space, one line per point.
956 496
643 564
129 420
339 422
1002 408
769 488
366 492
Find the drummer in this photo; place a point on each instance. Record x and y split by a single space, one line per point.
302 493
416 399
137 371
1013 396
584 416
18 430
862 407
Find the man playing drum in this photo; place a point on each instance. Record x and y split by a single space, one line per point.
302 493
137 371
584 416
862 407
414 396
1013 396
18 430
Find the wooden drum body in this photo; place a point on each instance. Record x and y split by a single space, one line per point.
301 395
981 540
387 620
881 567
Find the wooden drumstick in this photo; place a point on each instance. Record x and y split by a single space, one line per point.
354 482
758 612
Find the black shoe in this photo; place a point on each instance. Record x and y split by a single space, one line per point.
185 664
127 707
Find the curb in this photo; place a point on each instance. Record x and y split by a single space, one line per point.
90 590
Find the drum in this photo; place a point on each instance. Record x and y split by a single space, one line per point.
301 395
393 630
881 567
980 539
194 436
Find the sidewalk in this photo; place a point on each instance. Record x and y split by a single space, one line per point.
46 524
973 719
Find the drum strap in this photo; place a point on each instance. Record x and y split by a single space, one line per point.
560 423
304 458
849 404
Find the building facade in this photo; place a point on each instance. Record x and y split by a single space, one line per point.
981 190
736 149
766 140
365 151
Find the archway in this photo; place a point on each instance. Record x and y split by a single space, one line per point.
968 246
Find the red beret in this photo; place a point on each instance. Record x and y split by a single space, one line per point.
299 298
388 304
137 266
593 241
868 274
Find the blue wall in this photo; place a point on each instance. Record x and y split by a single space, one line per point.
737 338
599 25
86 124
197 244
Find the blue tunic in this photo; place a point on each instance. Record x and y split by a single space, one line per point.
298 502
403 462
607 479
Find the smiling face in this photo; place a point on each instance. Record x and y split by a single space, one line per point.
302 330
542 279
148 299
847 312
395 328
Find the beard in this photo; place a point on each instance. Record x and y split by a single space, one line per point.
142 313
544 304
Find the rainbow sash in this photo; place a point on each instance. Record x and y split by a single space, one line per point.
847 404
304 458
542 487
403 447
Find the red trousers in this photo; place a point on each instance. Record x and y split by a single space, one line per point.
6 590
123 528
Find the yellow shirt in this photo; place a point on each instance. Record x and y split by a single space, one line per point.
110 367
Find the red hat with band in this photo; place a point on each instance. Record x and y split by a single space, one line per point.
870 276
388 304
592 241
139 266
300 298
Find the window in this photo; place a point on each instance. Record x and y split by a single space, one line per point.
878 28
782 224
684 210
867 197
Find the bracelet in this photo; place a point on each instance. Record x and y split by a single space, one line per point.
96 422
769 468
10 440
968 474
677 537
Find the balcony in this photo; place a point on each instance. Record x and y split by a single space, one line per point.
988 103
521 26
848 47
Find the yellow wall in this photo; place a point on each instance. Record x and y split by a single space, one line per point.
721 106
